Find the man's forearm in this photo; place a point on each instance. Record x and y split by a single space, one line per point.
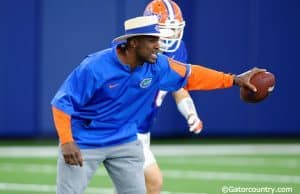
203 78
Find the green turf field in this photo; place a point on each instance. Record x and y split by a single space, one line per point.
190 170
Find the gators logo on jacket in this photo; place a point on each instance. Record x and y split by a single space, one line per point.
145 82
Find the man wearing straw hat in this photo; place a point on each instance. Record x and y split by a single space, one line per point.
99 106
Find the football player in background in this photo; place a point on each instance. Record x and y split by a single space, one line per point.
171 22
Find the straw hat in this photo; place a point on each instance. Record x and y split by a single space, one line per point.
139 26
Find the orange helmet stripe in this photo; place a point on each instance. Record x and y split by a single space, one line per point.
165 9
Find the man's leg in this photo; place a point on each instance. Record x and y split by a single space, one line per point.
74 179
124 164
153 175
154 179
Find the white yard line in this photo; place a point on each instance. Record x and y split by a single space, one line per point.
261 162
47 188
231 176
169 150
51 189
227 149
173 174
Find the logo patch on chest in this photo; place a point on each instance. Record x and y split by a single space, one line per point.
145 83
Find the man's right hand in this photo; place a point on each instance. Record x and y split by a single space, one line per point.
71 154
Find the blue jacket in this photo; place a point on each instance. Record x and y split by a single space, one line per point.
107 102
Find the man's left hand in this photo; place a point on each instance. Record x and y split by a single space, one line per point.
194 123
243 79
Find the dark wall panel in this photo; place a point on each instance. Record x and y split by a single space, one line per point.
18 68
42 41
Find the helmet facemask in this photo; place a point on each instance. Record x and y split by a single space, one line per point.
175 29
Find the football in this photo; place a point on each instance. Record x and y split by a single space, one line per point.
264 83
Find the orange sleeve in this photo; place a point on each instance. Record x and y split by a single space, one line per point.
177 67
202 78
62 123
